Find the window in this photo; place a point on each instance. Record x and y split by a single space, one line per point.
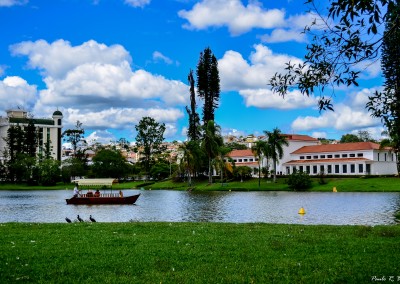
352 155
308 157
344 168
344 155
329 169
322 156
315 157
360 168
301 157
337 156
321 168
352 168
240 160
301 168
244 160
315 169
360 155
378 157
385 156
336 169
235 160
251 160
329 156
288 170
308 169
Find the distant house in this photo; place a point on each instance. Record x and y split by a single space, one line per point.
244 158
359 158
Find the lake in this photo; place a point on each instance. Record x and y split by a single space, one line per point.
49 206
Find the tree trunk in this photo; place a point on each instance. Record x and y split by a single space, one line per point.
209 171
274 170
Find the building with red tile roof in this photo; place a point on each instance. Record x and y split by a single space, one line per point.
360 158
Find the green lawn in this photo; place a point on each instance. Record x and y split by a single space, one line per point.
196 253
342 185
373 184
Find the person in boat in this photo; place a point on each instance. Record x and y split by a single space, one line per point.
121 194
97 193
76 191
89 193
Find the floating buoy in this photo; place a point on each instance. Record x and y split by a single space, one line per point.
334 189
302 211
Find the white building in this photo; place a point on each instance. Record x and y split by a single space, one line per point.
49 129
359 158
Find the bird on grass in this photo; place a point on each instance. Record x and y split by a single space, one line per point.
68 220
92 219
80 219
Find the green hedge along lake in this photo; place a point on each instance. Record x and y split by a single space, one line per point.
49 206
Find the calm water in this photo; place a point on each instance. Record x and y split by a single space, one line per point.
237 207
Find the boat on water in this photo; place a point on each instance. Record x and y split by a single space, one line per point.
98 198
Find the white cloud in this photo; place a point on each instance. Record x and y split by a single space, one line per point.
284 35
9 3
250 78
100 136
15 91
317 134
137 3
347 116
232 14
120 118
158 56
237 73
264 98
95 84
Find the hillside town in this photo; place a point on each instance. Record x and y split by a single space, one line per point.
301 153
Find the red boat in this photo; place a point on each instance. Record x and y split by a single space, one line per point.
90 198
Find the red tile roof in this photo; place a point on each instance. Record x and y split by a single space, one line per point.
324 161
299 137
241 153
357 146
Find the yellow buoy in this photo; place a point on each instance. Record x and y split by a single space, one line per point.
334 189
302 211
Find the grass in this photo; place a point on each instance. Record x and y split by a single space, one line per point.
196 253
347 184
373 184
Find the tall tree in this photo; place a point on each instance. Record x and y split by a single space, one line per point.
386 104
212 141
208 83
194 119
261 149
276 141
74 136
150 135
350 36
109 163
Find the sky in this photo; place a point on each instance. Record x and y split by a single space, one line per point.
108 63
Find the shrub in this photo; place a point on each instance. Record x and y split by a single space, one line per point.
299 181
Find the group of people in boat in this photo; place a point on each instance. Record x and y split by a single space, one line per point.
77 193
90 193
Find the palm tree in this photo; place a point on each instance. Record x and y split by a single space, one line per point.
220 161
187 161
276 141
261 149
212 141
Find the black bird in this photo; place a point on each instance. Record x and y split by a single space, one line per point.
80 219
92 219
68 220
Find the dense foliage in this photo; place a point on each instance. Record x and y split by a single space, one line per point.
299 181
150 135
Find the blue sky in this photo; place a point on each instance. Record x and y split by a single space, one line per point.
108 63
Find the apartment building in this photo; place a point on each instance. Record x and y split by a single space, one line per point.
49 129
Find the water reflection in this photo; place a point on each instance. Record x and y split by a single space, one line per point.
236 207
